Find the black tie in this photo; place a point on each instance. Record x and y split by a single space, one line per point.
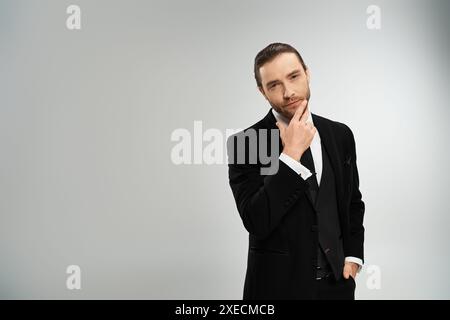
308 162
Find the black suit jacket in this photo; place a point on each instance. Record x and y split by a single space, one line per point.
280 218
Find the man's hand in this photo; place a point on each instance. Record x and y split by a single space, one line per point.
350 269
298 135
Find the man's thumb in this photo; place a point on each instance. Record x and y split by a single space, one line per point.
345 273
280 125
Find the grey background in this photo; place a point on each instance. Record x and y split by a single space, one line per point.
86 117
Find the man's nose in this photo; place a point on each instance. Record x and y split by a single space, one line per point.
288 92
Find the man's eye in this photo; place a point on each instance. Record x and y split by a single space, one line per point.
294 76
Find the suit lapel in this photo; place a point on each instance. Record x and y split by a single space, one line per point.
270 124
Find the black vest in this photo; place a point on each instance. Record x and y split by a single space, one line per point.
330 251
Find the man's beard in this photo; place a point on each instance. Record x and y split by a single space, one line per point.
283 111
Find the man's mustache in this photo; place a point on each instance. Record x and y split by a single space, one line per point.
293 100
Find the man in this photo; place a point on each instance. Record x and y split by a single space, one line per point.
305 221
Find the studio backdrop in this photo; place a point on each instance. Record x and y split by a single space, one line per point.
113 124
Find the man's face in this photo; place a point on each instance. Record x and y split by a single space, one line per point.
285 83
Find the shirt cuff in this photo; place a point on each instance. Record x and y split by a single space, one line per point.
358 261
296 166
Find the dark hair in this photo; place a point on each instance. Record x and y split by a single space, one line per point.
269 53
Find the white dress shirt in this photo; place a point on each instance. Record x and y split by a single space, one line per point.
305 173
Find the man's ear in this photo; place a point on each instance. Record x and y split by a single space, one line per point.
308 74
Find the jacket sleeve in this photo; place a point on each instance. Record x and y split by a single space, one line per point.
357 207
263 200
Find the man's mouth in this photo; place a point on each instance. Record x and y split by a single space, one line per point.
292 103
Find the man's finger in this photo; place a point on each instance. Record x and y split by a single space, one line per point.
298 112
347 270
305 114
346 274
